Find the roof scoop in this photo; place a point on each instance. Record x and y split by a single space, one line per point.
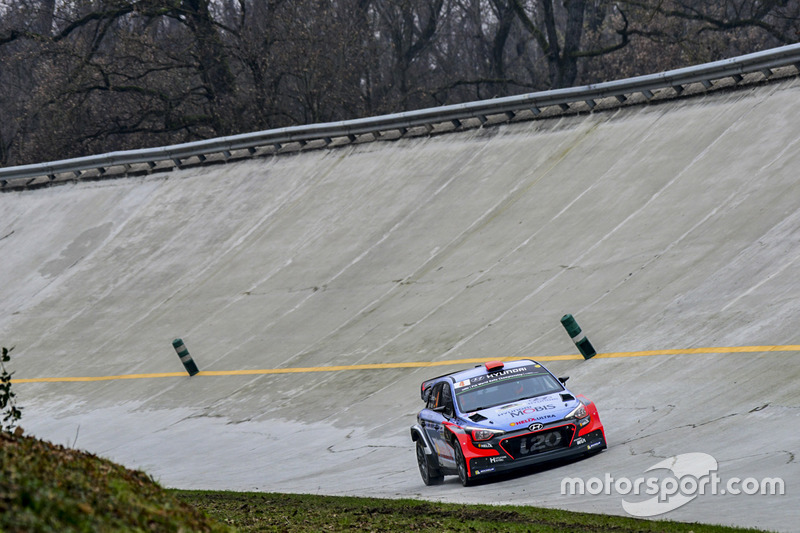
494 366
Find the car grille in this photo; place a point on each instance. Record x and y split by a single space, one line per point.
537 442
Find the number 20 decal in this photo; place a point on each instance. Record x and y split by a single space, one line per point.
539 442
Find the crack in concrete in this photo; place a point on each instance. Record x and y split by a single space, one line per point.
691 426
367 446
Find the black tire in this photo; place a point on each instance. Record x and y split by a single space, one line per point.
430 475
461 463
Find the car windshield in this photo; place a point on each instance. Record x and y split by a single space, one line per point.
497 389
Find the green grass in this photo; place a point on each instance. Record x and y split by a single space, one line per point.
45 487
298 512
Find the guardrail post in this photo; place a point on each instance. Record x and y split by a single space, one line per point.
578 337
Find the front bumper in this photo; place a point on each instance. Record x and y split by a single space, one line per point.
480 466
525 448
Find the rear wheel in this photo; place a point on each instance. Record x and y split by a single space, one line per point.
430 475
461 463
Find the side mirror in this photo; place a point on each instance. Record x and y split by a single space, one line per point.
446 410
563 380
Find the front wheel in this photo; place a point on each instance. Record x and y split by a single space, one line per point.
461 463
430 475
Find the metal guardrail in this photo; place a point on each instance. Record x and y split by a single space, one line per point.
223 148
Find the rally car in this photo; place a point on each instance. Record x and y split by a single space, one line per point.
500 416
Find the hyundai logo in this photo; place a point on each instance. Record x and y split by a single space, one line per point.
536 427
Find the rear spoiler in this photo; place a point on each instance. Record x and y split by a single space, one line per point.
427 385
425 390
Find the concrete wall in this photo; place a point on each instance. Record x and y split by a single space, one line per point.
659 227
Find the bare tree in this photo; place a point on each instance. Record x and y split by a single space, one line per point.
558 33
86 76
676 33
404 30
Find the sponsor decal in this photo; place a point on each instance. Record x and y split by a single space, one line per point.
579 441
538 399
528 420
500 459
527 401
530 410
442 451
494 377
484 471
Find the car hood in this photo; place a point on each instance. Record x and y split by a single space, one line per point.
517 415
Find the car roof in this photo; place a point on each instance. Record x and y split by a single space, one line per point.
479 370
482 370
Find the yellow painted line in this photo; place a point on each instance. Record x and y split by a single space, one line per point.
419 364
690 351
99 378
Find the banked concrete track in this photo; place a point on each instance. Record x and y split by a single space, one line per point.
666 227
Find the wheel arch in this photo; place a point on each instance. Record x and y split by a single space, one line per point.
418 435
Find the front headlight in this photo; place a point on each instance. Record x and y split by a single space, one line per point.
579 412
479 434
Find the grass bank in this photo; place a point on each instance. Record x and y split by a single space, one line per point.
251 512
45 487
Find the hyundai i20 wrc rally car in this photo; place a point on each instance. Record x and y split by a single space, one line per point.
500 416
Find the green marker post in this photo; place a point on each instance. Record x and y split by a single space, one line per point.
578 337
186 359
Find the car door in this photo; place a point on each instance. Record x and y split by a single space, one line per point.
439 410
